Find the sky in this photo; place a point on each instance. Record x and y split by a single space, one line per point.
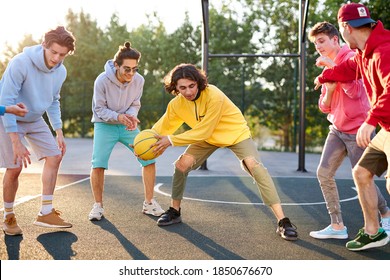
20 17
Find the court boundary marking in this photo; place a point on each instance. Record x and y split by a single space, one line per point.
27 198
157 189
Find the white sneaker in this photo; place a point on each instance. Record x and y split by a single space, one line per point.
96 213
152 208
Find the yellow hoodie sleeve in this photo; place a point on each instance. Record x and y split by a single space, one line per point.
169 122
211 106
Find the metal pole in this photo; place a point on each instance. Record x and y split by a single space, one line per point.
205 49
302 123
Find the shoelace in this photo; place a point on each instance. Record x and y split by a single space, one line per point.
57 212
10 221
287 223
171 212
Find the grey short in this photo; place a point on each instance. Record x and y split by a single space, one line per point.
38 136
376 154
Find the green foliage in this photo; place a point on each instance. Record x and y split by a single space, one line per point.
265 89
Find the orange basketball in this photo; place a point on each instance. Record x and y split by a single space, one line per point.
143 142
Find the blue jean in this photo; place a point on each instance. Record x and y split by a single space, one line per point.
337 146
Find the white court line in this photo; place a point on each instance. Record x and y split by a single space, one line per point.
157 189
27 198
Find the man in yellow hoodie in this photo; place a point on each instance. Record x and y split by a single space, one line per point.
215 122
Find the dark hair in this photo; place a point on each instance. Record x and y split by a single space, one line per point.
126 52
184 71
62 37
323 27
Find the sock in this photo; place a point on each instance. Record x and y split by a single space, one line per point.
8 208
47 204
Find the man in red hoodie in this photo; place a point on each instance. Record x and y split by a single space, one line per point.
372 64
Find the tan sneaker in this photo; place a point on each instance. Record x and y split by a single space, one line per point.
52 220
10 226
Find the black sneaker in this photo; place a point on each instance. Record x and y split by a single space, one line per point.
287 230
171 216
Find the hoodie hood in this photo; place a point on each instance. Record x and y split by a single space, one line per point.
378 38
37 56
110 71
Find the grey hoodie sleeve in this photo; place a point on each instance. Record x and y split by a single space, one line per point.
99 104
136 104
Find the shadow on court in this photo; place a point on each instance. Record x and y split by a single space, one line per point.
223 219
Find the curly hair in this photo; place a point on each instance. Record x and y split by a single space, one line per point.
184 71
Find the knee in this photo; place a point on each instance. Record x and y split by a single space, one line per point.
360 174
54 160
13 173
185 163
250 163
322 173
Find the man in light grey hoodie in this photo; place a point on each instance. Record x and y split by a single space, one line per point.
115 105
34 77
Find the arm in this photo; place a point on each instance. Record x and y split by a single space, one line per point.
12 82
19 109
169 122
21 154
204 129
61 141
100 103
343 72
325 100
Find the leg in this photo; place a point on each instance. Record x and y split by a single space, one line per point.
97 187
50 173
11 183
191 159
368 198
150 205
97 184
182 167
49 180
354 154
105 138
247 153
48 216
332 156
374 161
149 180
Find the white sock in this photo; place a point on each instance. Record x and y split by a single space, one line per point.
47 204
8 208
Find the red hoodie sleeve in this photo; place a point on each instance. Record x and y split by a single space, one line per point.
343 72
380 110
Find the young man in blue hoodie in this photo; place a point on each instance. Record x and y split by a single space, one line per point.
115 105
34 77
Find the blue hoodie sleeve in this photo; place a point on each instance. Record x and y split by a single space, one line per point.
11 84
2 110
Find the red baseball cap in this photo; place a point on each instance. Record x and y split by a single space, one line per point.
355 14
